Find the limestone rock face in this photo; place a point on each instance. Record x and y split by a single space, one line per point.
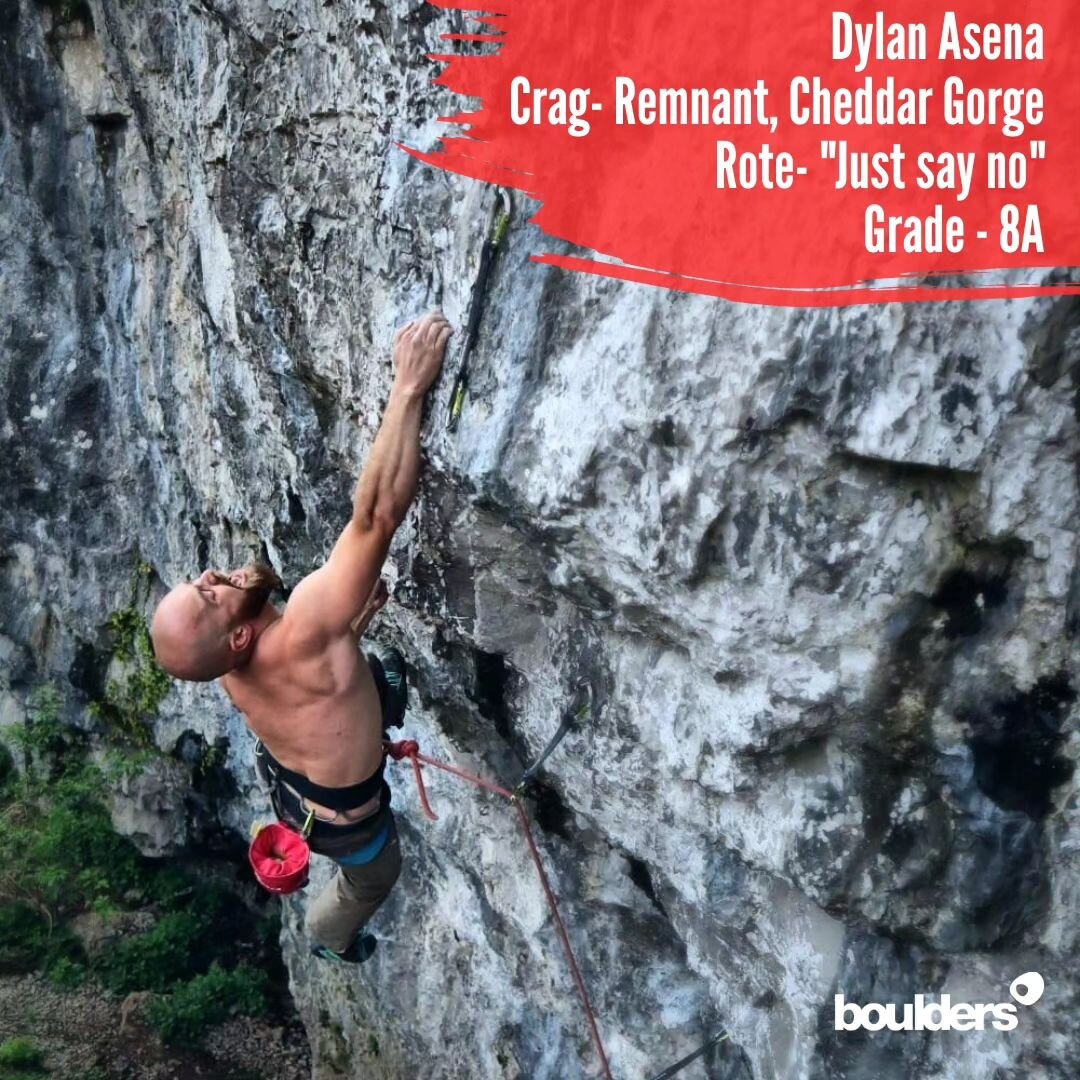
96 932
150 807
818 569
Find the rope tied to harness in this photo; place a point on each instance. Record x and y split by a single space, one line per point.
410 748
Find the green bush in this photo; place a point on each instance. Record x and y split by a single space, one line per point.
65 856
211 902
170 887
27 942
192 1007
200 927
21 1053
58 850
23 934
59 855
125 763
42 732
40 739
66 973
154 960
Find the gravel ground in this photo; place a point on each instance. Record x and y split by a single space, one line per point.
80 1033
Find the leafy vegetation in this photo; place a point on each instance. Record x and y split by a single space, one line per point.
59 856
192 1007
28 941
197 930
131 702
18 1057
42 734
58 851
121 764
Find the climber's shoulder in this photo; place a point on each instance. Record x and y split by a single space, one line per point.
325 604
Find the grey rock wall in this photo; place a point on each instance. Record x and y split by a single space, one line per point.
819 568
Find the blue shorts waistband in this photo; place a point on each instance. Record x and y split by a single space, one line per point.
371 850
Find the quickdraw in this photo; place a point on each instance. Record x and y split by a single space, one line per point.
570 718
498 223
672 1070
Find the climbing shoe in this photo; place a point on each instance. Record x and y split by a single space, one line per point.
388 670
397 683
361 949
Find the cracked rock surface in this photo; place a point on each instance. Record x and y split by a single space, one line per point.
819 569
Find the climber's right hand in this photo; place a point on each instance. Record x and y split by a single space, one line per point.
419 347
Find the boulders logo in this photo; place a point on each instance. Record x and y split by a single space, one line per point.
943 1015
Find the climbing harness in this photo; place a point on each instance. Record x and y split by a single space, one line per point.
497 224
279 852
334 798
409 748
681 1064
280 855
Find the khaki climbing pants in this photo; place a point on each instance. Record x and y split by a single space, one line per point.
354 894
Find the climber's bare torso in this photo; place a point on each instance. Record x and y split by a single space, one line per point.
305 688
317 711
298 675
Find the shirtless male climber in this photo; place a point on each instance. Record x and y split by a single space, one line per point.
317 705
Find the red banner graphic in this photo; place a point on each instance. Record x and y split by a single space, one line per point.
780 153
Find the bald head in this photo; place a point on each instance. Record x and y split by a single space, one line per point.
205 628
191 640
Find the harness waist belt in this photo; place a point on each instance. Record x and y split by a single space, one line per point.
336 798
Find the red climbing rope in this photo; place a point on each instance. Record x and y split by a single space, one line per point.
409 748
553 904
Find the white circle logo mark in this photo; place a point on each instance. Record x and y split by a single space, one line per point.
1026 989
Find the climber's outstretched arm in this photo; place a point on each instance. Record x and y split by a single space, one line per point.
326 602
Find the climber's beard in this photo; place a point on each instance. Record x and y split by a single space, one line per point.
260 581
